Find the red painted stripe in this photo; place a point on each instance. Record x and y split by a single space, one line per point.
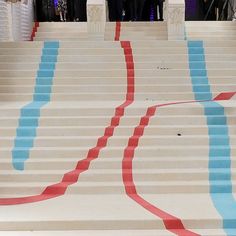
72 177
34 30
224 96
117 31
172 223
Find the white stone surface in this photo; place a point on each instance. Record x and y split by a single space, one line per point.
16 20
171 172
96 17
176 19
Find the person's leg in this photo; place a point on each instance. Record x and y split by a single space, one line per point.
60 9
147 10
82 10
140 4
160 6
65 16
51 11
132 7
65 9
119 9
127 11
70 8
222 13
111 10
76 10
154 5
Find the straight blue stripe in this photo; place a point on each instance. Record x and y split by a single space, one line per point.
198 71
220 178
30 114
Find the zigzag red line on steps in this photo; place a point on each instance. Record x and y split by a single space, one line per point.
34 30
117 31
72 177
172 223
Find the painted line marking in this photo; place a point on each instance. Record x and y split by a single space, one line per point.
172 223
72 177
34 30
30 114
117 31
221 195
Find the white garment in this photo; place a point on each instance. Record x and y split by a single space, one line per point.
231 9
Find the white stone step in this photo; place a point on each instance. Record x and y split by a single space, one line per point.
123 130
138 24
115 216
172 120
117 73
112 58
110 175
104 44
89 80
80 141
91 232
141 80
210 38
118 65
211 23
208 232
162 151
103 188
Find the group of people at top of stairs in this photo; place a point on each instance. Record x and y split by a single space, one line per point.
119 10
135 10
77 9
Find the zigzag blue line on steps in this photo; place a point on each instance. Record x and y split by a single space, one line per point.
30 114
219 141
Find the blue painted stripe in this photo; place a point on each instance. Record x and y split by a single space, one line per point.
30 114
219 141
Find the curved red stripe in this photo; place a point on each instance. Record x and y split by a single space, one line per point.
117 31
172 223
72 177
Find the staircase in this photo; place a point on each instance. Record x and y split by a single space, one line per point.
68 31
117 138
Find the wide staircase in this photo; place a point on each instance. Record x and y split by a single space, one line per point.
133 138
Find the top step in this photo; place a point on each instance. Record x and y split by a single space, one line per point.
77 31
136 31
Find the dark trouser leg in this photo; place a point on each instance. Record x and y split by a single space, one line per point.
160 5
127 11
51 10
82 10
70 7
76 9
132 6
140 4
147 10
111 9
222 12
154 4
119 9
